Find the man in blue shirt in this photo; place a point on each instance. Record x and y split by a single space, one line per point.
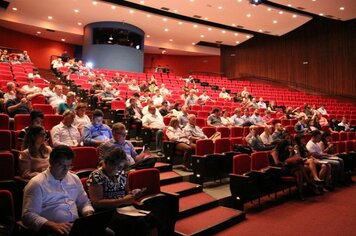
96 133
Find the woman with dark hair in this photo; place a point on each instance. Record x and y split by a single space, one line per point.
312 163
176 111
34 159
108 188
284 157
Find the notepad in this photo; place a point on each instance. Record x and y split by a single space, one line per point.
132 211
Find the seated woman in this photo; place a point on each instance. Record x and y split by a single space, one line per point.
283 156
177 135
81 119
312 163
108 188
34 159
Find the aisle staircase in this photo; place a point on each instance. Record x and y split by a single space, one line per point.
199 213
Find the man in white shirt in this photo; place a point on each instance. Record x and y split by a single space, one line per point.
163 90
261 103
65 133
133 86
155 124
204 97
224 94
58 96
157 98
48 92
236 119
322 110
192 99
183 118
192 131
54 198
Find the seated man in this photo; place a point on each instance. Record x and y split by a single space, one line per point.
183 118
134 114
19 105
54 198
96 133
30 89
214 119
37 118
48 92
95 90
118 141
192 131
236 119
192 99
255 142
68 105
58 96
65 133
155 124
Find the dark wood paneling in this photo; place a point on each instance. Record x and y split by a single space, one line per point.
319 56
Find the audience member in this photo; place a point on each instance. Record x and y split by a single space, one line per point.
225 120
223 94
58 96
81 119
183 117
54 198
19 105
65 133
214 119
192 131
204 97
134 115
322 110
68 105
236 119
36 117
11 91
266 136
155 124
255 142
261 103
34 158
48 92
96 133
192 99
175 134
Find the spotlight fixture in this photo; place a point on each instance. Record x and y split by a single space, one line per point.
256 2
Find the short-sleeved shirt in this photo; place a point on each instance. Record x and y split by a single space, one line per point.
21 110
62 107
214 120
127 147
113 188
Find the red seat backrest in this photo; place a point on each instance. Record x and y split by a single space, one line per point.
5 140
222 145
85 157
204 146
21 121
7 166
259 160
225 131
146 178
241 164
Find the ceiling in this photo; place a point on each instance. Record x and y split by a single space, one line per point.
179 26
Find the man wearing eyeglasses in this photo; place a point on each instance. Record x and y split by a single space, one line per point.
19 105
119 141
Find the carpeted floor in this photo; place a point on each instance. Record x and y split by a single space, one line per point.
333 214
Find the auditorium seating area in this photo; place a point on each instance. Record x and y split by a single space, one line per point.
251 176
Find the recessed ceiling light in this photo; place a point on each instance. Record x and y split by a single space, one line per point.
195 26
50 17
234 25
210 29
131 11
239 0
76 10
113 7
14 9
236 34
79 23
248 15
147 36
179 23
321 14
63 40
223 31
164 19
342 8
219 7
202 36
38 32
206 18
95 2
237 42
289 5
148 15
166 29
142 2
275 22
280 12
259 30
191 0
193 43
294 16
170 40
314 0
248 36
269 9
175 11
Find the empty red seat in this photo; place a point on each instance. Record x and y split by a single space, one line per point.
51 120
45 108
21 121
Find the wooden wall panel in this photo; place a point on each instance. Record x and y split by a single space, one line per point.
319 56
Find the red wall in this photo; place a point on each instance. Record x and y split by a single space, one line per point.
39 49
183 65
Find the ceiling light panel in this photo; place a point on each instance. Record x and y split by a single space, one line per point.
228 12
327 7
